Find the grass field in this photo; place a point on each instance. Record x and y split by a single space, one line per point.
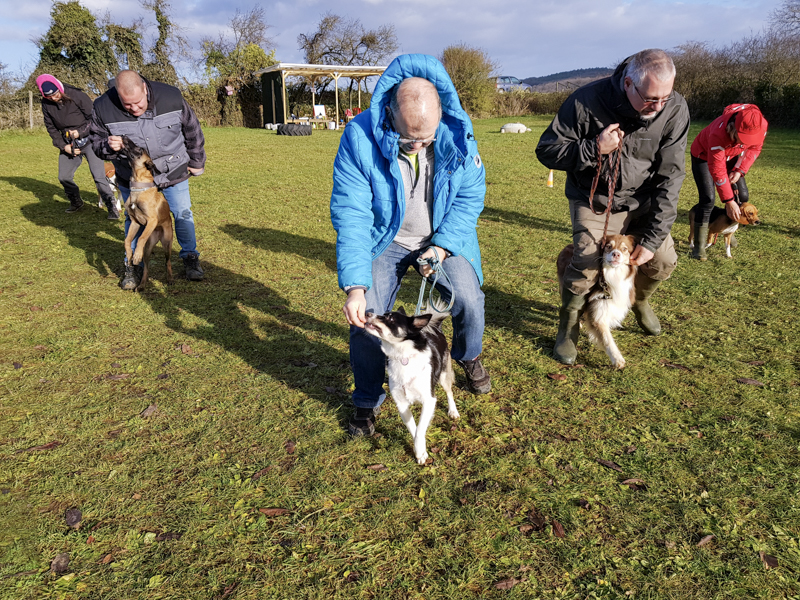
242 483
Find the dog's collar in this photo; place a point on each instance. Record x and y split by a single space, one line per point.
141 185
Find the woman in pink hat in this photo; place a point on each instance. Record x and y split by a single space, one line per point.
67 116
722 153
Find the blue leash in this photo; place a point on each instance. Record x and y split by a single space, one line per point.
438 271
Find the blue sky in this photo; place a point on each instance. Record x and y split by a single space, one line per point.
524 38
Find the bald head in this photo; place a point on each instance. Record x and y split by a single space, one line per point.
416 111
132 92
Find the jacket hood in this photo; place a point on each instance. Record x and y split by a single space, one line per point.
455 125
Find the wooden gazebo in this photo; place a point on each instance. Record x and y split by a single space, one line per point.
273 85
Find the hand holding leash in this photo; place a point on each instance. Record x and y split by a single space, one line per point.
640 255
430 259
610 138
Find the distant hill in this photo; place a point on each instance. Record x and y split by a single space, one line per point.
567 80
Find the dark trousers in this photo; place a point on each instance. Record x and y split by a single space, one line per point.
707 190
68 164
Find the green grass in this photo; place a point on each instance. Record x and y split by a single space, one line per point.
256 356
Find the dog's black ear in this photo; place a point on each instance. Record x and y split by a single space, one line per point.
421 321
149 164
401 310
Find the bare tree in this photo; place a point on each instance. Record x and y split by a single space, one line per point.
787 16
342 41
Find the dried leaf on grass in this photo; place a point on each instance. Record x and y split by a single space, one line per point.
377 467
274 512
40 348
73 517
558 529
47 446
168 535
770 562
756 363
748 381
60 563
149 411
186 349
106 559
537 520
705 540
289 446
36 308
666 363
609 464
117 376
507 584
17 365
163 376
229 589
637 485
265 470
557 376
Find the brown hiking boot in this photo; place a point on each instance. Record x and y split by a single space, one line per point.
478 380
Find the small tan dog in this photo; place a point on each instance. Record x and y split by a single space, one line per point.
147 208
611 297
720 223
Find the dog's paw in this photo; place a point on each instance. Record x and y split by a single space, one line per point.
453 414
138 256
422 458
618 363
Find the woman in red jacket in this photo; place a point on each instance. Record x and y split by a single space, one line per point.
721 156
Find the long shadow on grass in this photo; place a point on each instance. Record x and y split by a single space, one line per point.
256 323
83 230
499 215
275 240
530 318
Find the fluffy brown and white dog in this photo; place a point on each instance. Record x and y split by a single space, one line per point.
417 358
111 178
611 297
720 223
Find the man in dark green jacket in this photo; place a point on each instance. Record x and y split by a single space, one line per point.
637 107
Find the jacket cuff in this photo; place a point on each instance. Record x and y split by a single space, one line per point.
348 288
731 199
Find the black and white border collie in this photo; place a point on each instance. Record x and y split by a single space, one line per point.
418 357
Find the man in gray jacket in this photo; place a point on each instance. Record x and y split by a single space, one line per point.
638 108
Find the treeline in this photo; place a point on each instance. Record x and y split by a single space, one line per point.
763 69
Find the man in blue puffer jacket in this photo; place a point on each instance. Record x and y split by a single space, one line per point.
407 182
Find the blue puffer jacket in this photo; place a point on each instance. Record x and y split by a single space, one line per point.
368 200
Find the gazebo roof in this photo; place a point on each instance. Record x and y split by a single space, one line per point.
330 70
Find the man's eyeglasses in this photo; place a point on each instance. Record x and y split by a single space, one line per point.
407 142
653 100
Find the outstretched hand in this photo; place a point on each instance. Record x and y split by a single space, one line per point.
355 308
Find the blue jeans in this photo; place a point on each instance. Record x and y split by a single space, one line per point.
366 357
181 206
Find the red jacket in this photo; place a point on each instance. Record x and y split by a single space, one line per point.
715 146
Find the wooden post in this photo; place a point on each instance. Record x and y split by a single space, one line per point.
30 108
336 82
313 102
283 93
359 93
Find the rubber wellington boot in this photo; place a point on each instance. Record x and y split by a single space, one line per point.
700 237
645 316
566 349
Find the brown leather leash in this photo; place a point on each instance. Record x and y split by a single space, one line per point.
614 161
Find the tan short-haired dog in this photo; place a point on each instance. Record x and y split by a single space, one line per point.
720 223
147 208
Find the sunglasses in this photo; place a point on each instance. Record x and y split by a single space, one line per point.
406 142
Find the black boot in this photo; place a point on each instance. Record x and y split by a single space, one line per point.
566 349
700 237
194 272
111 205
133 275
75 203
362 424
645 287
478 380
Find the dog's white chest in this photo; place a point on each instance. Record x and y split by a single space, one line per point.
411 373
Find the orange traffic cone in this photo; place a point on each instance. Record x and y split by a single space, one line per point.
550 179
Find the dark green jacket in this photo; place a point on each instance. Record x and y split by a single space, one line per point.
653 154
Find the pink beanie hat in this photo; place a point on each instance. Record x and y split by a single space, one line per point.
45 77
